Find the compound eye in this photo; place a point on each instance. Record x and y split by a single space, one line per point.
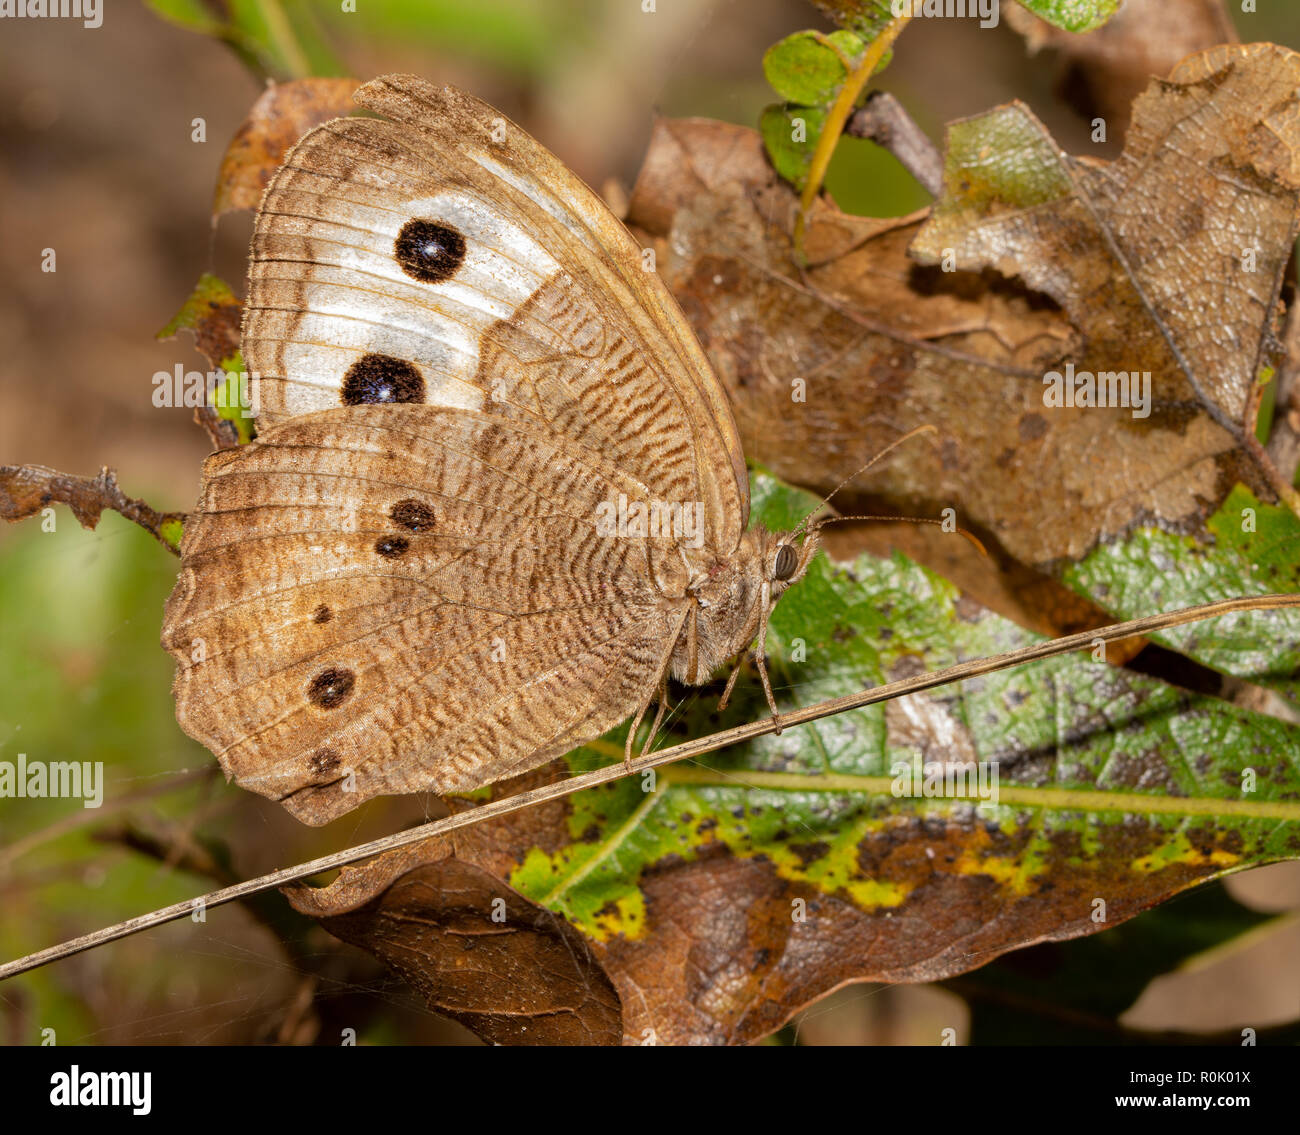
787 560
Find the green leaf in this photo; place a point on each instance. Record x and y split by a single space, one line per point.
808 67
790 135
1254 552
212 312
867 18
232 398
1110 784
1073 15
172 531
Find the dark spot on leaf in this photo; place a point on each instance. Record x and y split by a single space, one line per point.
413 514
390 547
1032 426
330 688
809 853
429 250
382 378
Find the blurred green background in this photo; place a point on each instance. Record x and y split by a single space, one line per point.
98 161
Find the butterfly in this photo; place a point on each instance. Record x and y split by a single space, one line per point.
497 495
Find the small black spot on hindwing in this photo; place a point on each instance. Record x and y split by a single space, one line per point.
382 378
324 761
330 688
413 514
390 547
322 614
429 250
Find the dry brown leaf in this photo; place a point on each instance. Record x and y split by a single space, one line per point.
474 949
906 345
720 959
1112 64
283 114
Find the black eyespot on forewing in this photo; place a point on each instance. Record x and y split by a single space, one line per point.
413 514
330 688
322 614
429 250
382 378
786 563
390 547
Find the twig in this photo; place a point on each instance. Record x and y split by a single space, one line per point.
883 120
26 489
963 670
221 431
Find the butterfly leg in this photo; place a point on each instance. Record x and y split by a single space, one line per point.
662 691
767 689
631 736
731 682
760 659
662 698
693 644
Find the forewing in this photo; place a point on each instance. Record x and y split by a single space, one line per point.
440 255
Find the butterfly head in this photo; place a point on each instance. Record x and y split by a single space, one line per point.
786 558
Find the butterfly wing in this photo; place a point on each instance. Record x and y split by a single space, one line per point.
443 325
390 599
441 255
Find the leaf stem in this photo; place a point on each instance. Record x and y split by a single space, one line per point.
838 116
